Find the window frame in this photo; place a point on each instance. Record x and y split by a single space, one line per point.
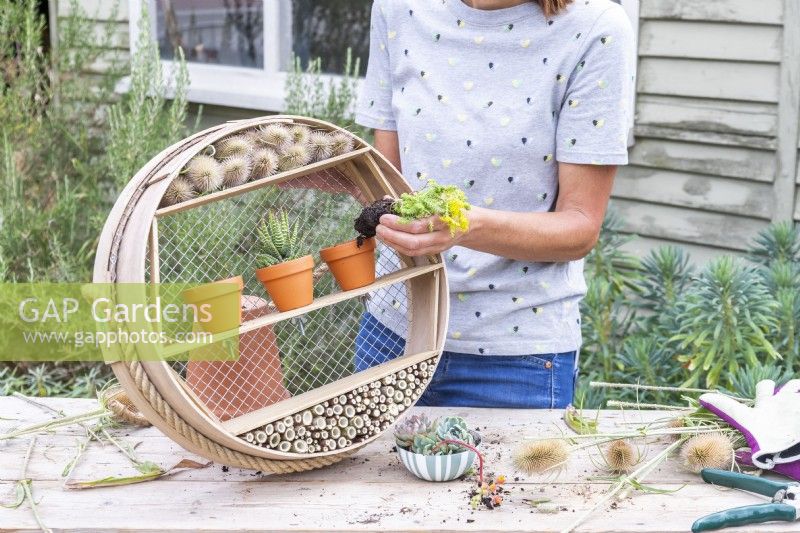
238 87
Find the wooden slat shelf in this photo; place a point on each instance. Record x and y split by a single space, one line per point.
399 276
263 182
268 414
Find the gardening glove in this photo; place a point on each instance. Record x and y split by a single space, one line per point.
771 427
791 470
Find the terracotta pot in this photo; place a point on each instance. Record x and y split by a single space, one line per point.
217 296
289 284
351 265
253 381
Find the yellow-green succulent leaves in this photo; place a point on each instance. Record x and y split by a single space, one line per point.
448 202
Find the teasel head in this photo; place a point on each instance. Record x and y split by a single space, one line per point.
204 173
299 134
275 136
235 171
295 156
620 456
342 143
236 146
320 144
707 450
180 190
540 456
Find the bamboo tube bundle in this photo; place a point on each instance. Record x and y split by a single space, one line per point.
309 387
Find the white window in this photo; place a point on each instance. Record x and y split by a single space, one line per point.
238 51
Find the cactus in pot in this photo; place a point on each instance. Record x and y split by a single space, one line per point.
285 266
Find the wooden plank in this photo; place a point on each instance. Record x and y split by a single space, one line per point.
264 182
788 115
720 116
687 225
95 9
747 11
715 160
707 137
368 492
721 195
754 82
265 415
710 40
328 300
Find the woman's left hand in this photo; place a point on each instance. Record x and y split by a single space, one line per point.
426 236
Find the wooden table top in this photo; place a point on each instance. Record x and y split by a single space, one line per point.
368 492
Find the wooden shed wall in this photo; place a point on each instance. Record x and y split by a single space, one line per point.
711 164
710 93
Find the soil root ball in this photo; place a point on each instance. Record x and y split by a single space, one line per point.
370 217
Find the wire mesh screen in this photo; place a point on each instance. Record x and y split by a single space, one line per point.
217 240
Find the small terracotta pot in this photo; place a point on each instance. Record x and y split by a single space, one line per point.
289 284
253 381
351 265
217 295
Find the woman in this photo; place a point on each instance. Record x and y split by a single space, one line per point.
525 106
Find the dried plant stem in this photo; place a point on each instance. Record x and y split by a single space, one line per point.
27 487
57 423
631 434
639 405
625 482
607 385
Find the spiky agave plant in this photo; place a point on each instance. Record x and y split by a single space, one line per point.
235 146
236 170
782 279
278 240
778 242
723 321
205 173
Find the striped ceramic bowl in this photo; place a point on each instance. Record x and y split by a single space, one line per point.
438 467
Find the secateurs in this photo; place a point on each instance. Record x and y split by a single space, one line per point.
785 504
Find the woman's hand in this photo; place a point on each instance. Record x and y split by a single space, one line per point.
426 236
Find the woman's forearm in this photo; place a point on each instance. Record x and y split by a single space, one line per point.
542 237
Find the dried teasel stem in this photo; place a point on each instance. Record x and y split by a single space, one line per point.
306 418
260 437
249 437
337 409
537 457
204 173
289 434
288 421
265 163
235 146
235 171
280 427
180 190
336 433
269 429
299 446
713 450
318 410
349 411
320 145
319 422
285 446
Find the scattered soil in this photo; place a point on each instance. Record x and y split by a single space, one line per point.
370 217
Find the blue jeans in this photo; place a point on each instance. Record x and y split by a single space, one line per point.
541 381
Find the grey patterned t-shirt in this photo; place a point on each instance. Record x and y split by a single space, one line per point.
491 101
